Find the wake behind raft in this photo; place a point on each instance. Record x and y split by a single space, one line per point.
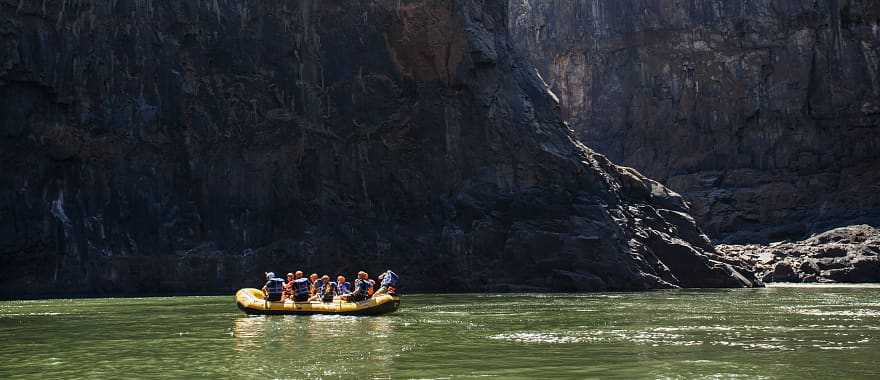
251 301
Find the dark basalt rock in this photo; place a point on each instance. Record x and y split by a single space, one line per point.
764 114
846 254
167 147
783 272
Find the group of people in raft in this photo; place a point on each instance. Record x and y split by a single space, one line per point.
320 289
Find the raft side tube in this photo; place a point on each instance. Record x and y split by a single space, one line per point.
251 301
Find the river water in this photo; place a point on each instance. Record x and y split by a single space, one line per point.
773 333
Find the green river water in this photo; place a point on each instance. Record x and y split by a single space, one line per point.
772 333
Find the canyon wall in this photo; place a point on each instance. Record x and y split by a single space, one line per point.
156 147
763 114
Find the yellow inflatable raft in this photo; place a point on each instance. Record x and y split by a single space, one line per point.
251 301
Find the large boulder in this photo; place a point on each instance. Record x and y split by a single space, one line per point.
783 272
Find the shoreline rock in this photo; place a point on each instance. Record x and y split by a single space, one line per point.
846 254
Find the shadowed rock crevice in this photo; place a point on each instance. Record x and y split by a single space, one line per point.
187 147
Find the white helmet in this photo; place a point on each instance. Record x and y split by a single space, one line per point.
270 275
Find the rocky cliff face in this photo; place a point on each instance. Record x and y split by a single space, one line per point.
764 114
158 147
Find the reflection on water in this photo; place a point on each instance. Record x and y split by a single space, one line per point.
783 332
314 346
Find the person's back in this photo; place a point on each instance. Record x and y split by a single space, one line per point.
301 289
273 290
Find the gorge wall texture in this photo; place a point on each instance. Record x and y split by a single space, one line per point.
764 114
162 147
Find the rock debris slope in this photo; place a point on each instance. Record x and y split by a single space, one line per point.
161 147
764 114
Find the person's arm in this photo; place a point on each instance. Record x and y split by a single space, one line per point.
358 288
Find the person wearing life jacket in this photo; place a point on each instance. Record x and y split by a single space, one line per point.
327 290
274 288
313 289
300 288
390 283
316 287
288 287
342 286
361 288
372 288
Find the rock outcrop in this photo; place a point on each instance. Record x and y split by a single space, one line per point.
153 147
847 254
764 114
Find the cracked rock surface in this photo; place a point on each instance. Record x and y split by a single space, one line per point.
180 147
